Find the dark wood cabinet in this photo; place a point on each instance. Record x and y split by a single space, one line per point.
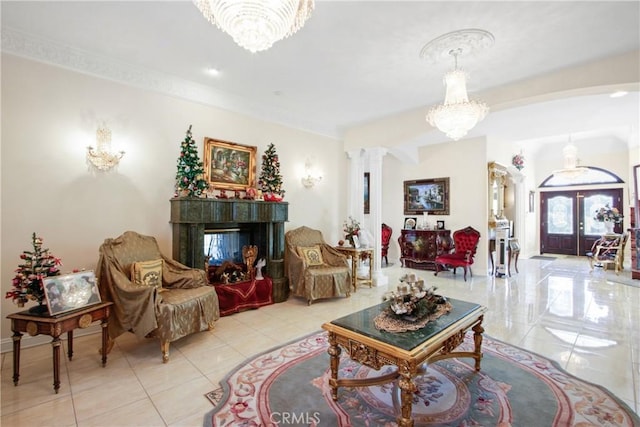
419 248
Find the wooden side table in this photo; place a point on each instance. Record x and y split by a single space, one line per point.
56 326
356 254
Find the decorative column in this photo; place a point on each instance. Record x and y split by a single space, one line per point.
375 156
355 197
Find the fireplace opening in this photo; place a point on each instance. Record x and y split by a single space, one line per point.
225 244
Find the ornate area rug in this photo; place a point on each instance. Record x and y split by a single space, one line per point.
289 386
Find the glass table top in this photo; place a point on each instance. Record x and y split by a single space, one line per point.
361 322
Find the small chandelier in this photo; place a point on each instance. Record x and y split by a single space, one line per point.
257 24
102 158
457 115
571 170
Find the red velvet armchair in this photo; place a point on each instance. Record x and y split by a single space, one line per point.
386 238
465 243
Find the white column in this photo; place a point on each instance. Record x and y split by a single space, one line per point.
355 194
375 156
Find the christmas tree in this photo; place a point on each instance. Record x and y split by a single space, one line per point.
270 180
37 264
190 176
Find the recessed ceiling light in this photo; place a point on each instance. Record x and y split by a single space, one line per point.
213 71
619 94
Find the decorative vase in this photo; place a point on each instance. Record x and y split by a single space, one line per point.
608 226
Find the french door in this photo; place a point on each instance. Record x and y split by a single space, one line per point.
566 219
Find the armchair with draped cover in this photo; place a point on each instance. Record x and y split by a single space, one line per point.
314 268
170 302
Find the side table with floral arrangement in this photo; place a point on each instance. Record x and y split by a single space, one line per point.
351 228
27 284
609 216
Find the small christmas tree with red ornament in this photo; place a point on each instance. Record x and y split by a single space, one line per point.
190 180
270 180
36 265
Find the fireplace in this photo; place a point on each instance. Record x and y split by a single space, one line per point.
235 223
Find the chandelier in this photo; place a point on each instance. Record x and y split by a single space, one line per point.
102 158
457 115
257 24
571 170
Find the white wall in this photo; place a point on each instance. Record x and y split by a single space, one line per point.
462 162
49 116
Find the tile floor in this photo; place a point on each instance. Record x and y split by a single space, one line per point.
589 323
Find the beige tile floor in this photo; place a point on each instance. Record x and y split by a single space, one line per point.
588 323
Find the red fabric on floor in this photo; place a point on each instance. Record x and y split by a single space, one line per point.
239 296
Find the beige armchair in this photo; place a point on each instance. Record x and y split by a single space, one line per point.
153 295
314 268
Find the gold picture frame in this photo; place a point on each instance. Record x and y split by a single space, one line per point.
426 195
229 166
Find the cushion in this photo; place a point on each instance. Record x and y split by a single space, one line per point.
312 255
147 273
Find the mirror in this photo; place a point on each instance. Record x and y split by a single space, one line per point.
497 183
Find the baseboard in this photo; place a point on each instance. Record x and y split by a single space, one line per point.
6 345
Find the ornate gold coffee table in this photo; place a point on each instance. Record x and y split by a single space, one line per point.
408 351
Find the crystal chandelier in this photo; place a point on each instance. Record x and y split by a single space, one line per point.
102 158
257 24
571 170
457 115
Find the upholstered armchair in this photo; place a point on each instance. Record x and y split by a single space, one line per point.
153 296
608 250
386 238
314 268
465 244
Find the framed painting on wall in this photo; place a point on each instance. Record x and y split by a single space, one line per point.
366 193
229 166
426 195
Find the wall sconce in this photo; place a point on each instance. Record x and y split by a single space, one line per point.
102 158
311 176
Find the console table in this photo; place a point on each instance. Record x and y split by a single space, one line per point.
356 254
55 326
419 248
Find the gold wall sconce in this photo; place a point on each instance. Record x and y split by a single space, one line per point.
311 176
102 158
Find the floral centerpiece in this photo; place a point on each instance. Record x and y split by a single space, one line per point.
412 300
37 264
351 228
411 306
608 214
518 161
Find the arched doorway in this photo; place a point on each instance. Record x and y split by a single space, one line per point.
567 225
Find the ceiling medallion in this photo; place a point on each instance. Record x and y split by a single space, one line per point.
457 115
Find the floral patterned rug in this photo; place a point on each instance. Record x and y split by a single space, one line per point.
289 386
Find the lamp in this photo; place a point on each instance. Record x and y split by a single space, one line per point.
311 175
256 24
571 170
457 115
102 158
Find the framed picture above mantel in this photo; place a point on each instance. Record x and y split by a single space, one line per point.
426 195
229 166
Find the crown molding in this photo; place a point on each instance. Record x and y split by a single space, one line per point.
51 52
